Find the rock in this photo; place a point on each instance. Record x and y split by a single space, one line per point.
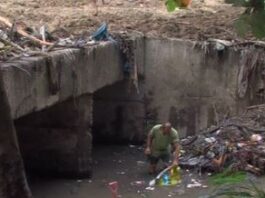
2 45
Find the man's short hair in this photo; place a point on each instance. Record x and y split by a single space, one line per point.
167 125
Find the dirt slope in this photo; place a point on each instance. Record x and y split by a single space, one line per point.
204 19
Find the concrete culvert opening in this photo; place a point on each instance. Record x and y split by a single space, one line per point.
56 141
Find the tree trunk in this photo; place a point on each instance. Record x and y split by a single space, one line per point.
13 182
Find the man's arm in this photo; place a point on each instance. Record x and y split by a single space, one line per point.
176 146
176 153
148 143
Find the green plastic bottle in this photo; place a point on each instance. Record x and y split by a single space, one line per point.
175 175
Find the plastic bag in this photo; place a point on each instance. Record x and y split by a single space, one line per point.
169 177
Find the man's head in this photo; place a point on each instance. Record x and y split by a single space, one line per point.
166 127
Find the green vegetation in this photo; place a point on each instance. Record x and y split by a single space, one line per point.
252 20
228 177
250 190
233 184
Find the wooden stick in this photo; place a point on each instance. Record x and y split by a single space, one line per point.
12 44
23 33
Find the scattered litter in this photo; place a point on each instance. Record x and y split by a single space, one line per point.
102 34
140 163
256 138
210 140
152 182
32 42
121 173
194 184
79 181
150 188
132 146
137 183
170 176
113 186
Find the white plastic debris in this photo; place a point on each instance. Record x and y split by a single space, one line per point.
210 140
2 45
150 188
3 35
218 131
219 46
152 183
241 144
256 138
194 184
140 163
121 173
137 183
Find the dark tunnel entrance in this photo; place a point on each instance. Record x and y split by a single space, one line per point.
57 141
118 115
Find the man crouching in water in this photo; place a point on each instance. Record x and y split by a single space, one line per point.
160 141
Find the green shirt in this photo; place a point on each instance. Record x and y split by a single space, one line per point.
161 143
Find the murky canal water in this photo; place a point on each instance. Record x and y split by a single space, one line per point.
124 164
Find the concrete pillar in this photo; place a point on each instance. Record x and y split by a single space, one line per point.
13 181
58 140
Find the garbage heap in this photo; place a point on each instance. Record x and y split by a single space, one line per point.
237 143
17 40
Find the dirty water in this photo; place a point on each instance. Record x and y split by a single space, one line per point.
126 165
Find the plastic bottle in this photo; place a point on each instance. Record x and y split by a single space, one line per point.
175 175
165 179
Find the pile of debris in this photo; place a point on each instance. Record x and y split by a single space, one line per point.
17 40
238 144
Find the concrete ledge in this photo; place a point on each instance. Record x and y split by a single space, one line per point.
36 83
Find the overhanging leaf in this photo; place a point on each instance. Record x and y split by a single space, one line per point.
253 22
242 25
257 22
172 5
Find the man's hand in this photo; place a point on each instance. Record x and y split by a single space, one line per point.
175 163
147 151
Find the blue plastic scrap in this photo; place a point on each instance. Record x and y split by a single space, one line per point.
102 34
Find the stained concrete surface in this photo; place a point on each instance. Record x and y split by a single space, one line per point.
125 164
189 83
36 83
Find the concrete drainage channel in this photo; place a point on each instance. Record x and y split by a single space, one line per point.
59 104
